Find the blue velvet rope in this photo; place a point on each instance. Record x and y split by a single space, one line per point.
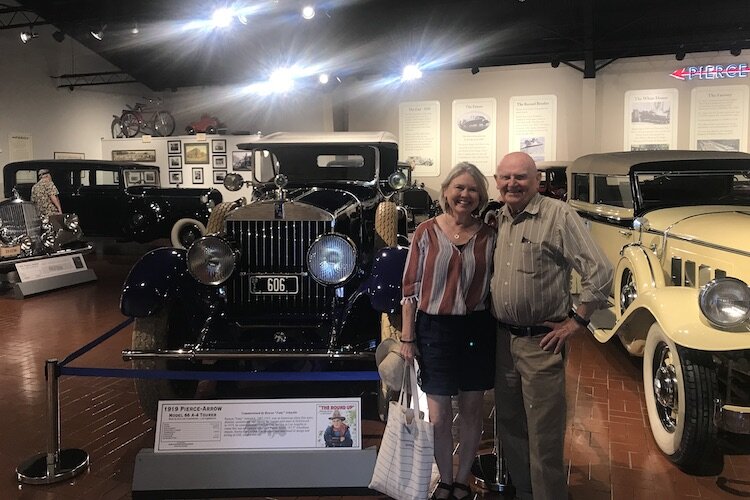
332 376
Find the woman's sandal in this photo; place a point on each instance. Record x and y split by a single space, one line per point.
462 487
442 486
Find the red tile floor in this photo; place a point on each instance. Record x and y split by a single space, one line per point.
610 453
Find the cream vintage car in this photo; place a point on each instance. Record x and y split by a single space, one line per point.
676 226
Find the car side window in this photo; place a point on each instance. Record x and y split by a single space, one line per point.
85 178
107 178
26 177
613 190
581 187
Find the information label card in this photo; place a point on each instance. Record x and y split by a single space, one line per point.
53 266
257 425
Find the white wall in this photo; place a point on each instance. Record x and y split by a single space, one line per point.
590 112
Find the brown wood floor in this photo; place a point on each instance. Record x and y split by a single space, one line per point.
610 452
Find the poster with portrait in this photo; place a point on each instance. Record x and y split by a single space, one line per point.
650 119
718 118
338 425
533 126
474 133
419 137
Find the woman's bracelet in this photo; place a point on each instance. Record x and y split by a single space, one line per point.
412 341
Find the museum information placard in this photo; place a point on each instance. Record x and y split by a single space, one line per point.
52 266
533 126
718 118
650 119
474 133
419 137
258 425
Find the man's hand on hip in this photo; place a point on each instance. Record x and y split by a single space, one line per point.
560 333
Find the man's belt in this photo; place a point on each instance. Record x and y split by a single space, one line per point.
525 331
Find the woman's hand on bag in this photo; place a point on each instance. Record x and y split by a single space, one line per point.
408 351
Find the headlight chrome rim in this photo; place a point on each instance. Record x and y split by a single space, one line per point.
313 262
211 260
715 313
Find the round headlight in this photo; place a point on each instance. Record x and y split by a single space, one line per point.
71 221
331 259
397 181
210 260
725 302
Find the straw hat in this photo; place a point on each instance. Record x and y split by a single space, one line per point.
391 364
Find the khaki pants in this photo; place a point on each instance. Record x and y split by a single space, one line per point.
530 413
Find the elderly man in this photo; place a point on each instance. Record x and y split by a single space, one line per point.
44 194
540 240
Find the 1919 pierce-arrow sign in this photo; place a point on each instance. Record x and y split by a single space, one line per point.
711 72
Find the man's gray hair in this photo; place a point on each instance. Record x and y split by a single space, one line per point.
466 168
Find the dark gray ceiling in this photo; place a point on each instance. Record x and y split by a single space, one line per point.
358 37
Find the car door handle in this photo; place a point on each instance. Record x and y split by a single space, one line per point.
623 232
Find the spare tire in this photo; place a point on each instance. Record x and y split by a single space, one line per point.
186 231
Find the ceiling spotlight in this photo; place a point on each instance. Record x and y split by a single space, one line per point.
26 36
134 30
411 72
323 78
555 62
58 36
735 51
222 17
475 70
98 34
308 12
242 18
679 55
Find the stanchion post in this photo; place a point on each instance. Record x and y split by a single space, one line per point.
55 465
490 470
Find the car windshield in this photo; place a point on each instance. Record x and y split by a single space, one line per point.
141 178
676 188
317 163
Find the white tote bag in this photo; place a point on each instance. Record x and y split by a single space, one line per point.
403 468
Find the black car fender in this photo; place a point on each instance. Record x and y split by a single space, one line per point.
154 280
384 285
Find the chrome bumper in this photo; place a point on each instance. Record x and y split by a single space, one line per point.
733 418
196 354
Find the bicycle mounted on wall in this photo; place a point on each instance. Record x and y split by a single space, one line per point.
133 120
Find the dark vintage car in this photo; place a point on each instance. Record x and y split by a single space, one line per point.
414 201
554 181
25 236
120 200
297 279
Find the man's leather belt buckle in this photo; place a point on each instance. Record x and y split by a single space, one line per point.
525 331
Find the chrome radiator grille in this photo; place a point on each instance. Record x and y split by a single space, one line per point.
276 248
20 219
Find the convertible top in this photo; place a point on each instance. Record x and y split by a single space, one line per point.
306 138
621 163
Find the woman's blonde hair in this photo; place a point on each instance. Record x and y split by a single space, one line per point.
465 168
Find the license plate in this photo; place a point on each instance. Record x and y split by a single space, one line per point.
10 251
274 285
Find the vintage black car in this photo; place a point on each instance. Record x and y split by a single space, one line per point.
25 236
120 200
297 279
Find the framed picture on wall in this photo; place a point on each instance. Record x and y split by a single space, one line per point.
149 177
175 177
242 160
174 147
220 162
175 162
219 146
219 176
196 153
198 175
138 155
